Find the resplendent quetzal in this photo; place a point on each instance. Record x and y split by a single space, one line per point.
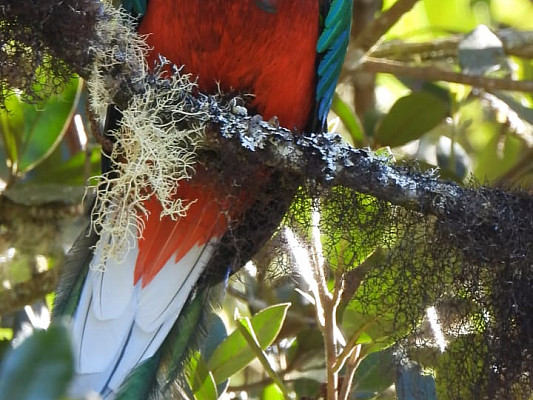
139 311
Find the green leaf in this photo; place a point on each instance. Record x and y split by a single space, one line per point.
200 378
307 350
409 118
307 388
40 368
234 354
449 15
6 333
374 332
375 374
513 12
349 119
45 125
350 235
384 314
31 132
272 392
73 172
499 156
462 369
11 123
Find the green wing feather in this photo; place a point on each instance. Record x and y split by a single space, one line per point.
135 7
73 274
139 383
331 48
157 376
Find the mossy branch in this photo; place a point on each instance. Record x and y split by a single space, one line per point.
322 158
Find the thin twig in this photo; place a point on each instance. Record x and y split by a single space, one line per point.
374 65
515 43
352 365
330 344
261 356
373 32
351 345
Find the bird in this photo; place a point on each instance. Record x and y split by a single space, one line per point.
128 317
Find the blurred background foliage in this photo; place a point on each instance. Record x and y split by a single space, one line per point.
47 156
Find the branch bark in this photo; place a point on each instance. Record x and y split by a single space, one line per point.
373 32
430 73
519 44
28 292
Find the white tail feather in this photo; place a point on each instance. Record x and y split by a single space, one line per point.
118 325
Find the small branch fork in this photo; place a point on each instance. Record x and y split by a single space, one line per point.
314 270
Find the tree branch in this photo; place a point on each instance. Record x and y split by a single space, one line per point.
28 292
374 31
374 65
323 158
515 43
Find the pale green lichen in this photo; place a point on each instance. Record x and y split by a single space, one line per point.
155 144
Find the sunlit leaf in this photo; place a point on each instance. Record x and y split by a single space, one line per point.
500 155
11 124
349 119
351 235
46 123
200 379
450 15
31 132
272 392
513 12
234 354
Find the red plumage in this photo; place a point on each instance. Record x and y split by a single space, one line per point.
266 48
270 55
244 49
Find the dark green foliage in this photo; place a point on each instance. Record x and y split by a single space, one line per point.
40 368
473 264
410 118
32 33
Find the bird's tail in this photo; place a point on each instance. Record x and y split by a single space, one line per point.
123 326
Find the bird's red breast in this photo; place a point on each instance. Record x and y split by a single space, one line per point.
262 47
244 47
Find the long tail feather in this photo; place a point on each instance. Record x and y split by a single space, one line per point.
73 275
